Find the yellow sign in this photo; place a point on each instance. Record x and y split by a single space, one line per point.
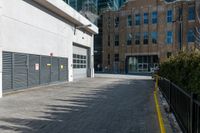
61 66
48 65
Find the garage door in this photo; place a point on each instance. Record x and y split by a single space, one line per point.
80 59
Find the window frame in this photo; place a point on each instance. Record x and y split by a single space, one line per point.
190 38
145 38
116 39
146 18
129 39
137 19
154 17
116 57
169 37
137 38
129 20
154 37
191 13
169 16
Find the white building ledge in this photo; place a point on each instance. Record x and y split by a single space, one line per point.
61 8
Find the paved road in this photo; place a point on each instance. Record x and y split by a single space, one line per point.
99 105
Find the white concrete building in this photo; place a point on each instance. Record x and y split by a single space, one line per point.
43 41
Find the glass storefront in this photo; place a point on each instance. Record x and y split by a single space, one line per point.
142 63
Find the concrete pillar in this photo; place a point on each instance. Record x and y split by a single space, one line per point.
92 57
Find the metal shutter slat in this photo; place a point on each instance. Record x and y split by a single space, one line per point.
33 73
20 71
7 70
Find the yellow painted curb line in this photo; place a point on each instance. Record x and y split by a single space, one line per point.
160 119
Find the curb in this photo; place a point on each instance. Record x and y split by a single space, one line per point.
160 118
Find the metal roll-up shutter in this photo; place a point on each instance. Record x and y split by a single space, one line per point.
63 69
55 69
45 70
34 73
7 70
20 71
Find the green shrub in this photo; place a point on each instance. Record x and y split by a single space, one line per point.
184 70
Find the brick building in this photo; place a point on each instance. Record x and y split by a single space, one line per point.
144 33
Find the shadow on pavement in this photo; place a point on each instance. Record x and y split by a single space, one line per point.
124 107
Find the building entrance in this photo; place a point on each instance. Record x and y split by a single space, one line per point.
142 63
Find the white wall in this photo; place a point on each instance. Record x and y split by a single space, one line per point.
27 27
0 49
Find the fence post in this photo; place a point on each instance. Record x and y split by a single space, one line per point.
193 97
170 88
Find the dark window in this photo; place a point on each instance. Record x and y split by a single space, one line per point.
129 21
191 13
169 16
137 38
154 37
154 17
116 57
108 59
146 38
190 36
116 22
116 40
137 19
146 18
108 40
129 39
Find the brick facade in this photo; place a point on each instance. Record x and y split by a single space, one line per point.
155 50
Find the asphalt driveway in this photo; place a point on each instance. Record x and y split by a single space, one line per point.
99 105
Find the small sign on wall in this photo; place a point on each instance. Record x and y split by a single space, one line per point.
48 65
37 67
61 66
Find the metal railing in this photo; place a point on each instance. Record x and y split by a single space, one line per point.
185 107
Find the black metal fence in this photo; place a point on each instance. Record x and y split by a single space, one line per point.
185 106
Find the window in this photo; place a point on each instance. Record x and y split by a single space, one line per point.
190 36
146 16
116 22
79 61
146 38
129 39
137 19
169 16
129 21
169 37
108 59
116 40
191 13
154 17
137 38
108 40
154 37
116 57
